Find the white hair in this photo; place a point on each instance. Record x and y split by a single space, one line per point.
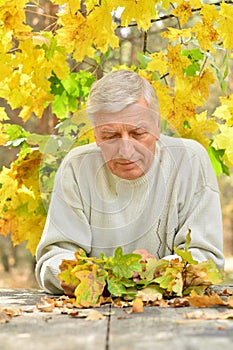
117 90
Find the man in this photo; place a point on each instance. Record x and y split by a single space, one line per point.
133 188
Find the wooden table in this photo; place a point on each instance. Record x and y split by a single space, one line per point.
156 328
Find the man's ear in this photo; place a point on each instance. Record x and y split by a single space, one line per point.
96 138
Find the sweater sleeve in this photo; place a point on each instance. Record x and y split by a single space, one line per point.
66 230
199 210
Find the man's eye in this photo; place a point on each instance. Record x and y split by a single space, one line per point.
110 137
139 133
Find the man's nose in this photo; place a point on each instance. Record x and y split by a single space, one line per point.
126 148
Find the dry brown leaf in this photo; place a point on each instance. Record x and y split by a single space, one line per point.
147 297
178 302
95 315
12 312
196 300
200 315
46 305
4 317
137 306
230 301
118 302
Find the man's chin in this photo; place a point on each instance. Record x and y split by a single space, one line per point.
129 174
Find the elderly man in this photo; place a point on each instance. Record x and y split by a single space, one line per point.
133 188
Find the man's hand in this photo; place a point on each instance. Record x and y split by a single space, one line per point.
145 255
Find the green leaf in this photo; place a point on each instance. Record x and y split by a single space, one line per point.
149 269
91 286
125 265
186 255
143 60
217 161
15 132
116 287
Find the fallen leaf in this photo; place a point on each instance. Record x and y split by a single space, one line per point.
200 315
12 312
95 315
148 294
137 306
196 300
46 305
4 318
178 302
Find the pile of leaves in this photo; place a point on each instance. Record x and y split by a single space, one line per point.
128 277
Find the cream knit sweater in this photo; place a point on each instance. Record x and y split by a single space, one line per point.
94 209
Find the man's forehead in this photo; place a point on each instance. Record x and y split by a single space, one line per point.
131 115
115 125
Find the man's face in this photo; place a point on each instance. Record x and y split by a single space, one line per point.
128 140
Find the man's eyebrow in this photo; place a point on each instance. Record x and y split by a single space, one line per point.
109 130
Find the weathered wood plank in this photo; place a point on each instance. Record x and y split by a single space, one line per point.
156 328
44 330
167 329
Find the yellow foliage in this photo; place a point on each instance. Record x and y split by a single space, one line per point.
165 98
176 62
206 34
3 115
183 11
142 11
225 111
158 63
225 25
174 34
12 17
200 87
197 124
86 133
224 140
21 209
102 27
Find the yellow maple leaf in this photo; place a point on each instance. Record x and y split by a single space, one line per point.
206 34
75 35
176 62
225 25
12 17
3 115
200 127
224 140
196 4
142 11
165 98
200 87
91 4
174 34
166 4
26 229
102 27
183 11
86 133
225 111
158 63
71 6
28 86
21 209
183 109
